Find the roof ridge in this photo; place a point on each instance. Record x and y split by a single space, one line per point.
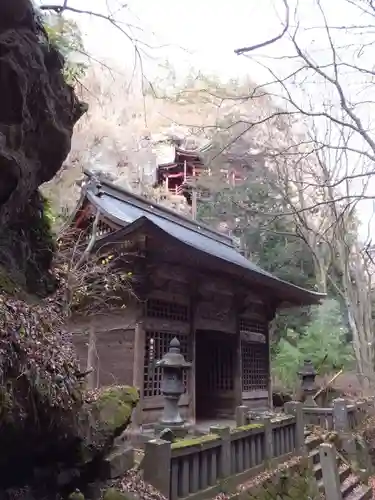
97 182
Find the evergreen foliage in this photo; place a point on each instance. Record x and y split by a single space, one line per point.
323 341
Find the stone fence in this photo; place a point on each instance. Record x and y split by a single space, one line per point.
200 465
327 418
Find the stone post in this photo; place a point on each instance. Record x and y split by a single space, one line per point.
340 415
157 465
340 419
225 450
268 440
331 478
241 416
295 408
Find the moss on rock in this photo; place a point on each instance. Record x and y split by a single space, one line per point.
114 406
76 495
107 413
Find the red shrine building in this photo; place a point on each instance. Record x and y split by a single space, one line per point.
181 173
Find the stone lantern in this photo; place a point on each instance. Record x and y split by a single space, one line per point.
308 386
173 366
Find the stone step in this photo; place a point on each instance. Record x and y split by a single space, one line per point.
317 471
349 485
118 462
363 492
314 456
344 473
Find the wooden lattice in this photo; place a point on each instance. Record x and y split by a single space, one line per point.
256 309
220 368
157 344
253 330
157 308
254 366
103 228
252 325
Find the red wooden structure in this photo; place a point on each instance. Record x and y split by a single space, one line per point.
180 175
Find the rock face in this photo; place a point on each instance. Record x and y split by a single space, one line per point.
38 111
51 430
77 448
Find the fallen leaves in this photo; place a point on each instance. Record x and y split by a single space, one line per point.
132 482
371 483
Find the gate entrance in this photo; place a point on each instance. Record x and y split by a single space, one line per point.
214 374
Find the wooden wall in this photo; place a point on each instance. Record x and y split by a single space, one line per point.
113 350
128 341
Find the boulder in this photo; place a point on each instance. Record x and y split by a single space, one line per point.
118 462
104 418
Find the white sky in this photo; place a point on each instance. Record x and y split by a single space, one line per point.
207 31
204 33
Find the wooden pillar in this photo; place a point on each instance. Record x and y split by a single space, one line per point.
192 373
238 371
138 369
192 381
270 398
271 312
238 354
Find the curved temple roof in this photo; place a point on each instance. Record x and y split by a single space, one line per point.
125 209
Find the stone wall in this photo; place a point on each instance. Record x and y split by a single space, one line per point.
291 481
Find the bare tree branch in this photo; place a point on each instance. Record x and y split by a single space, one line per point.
275 39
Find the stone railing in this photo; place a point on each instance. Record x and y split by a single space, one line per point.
201 464
327 418
321 417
